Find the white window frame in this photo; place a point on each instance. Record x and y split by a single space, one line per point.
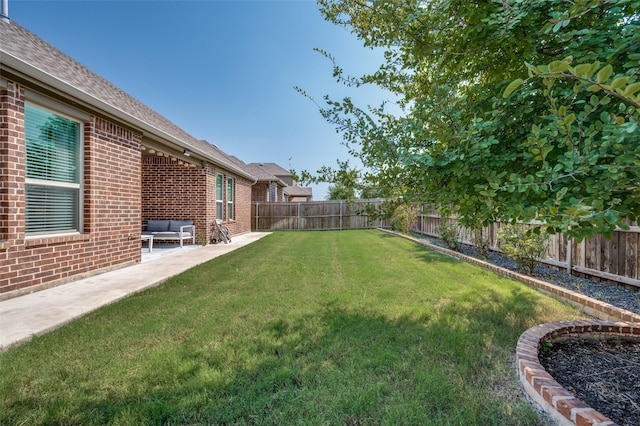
231 198
52 107
220 197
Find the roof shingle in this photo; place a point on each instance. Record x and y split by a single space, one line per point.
29 49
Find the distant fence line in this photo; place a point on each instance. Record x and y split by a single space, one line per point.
616 259
314 216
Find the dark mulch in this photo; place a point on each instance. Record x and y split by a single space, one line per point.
603 374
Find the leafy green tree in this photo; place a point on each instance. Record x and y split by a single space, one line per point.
511 110
339 191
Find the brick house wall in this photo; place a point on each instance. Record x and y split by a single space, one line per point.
174 191
111 205
242 222
260 191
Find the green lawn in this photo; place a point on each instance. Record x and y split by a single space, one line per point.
331 328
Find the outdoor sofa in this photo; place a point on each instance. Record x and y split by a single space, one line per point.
171 230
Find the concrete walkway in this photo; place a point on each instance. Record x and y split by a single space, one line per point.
39 312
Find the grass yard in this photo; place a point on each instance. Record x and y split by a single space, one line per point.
331 328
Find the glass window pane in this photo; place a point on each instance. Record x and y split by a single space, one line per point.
52 146
230 190
230 198
219 195
51 208
219 187
53 172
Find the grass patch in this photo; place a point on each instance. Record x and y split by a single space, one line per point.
355 327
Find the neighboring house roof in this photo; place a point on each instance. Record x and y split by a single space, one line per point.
263 175
273 169
298 191
25 57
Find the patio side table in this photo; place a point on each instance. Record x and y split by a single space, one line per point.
148 238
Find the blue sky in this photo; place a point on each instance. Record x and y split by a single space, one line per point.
224 71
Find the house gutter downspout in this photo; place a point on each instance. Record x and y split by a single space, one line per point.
4 11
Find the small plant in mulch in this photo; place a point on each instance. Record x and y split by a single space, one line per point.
404 218
480 241
526 248
450 234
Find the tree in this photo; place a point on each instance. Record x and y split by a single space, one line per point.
512 110
340 192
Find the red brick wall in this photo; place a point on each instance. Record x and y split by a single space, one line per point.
174 191
111 200
11 164
259 192
241 223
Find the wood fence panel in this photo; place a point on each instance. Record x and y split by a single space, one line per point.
631 262
615 259
320 215
610 249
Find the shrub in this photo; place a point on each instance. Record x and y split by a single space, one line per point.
403 218
450 234
480 241
526 248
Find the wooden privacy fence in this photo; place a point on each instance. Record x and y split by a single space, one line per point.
314 216
616 259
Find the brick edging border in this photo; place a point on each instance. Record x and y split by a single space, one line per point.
559 403
596 308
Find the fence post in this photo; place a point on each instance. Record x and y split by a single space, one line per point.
298 215
569 255
257 214
341 214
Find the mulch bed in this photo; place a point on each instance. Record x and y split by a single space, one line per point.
603 374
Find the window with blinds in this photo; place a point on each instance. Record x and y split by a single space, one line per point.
53 166
230 199
219 196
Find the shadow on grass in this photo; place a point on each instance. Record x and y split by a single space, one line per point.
448 364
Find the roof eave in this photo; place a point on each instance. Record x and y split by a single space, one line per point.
38 76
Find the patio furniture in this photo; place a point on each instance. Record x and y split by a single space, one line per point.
149 239
167 230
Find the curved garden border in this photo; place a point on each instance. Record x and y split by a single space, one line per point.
558 402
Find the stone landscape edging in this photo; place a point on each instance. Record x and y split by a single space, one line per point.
563 406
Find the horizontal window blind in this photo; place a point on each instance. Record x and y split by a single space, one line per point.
52 146
51 209
53 171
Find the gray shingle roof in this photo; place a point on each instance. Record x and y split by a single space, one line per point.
40 61
298 191
272 168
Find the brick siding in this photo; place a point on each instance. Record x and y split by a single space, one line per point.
121 189
261 190
171 190
111 202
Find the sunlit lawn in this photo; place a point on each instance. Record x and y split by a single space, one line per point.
332 328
